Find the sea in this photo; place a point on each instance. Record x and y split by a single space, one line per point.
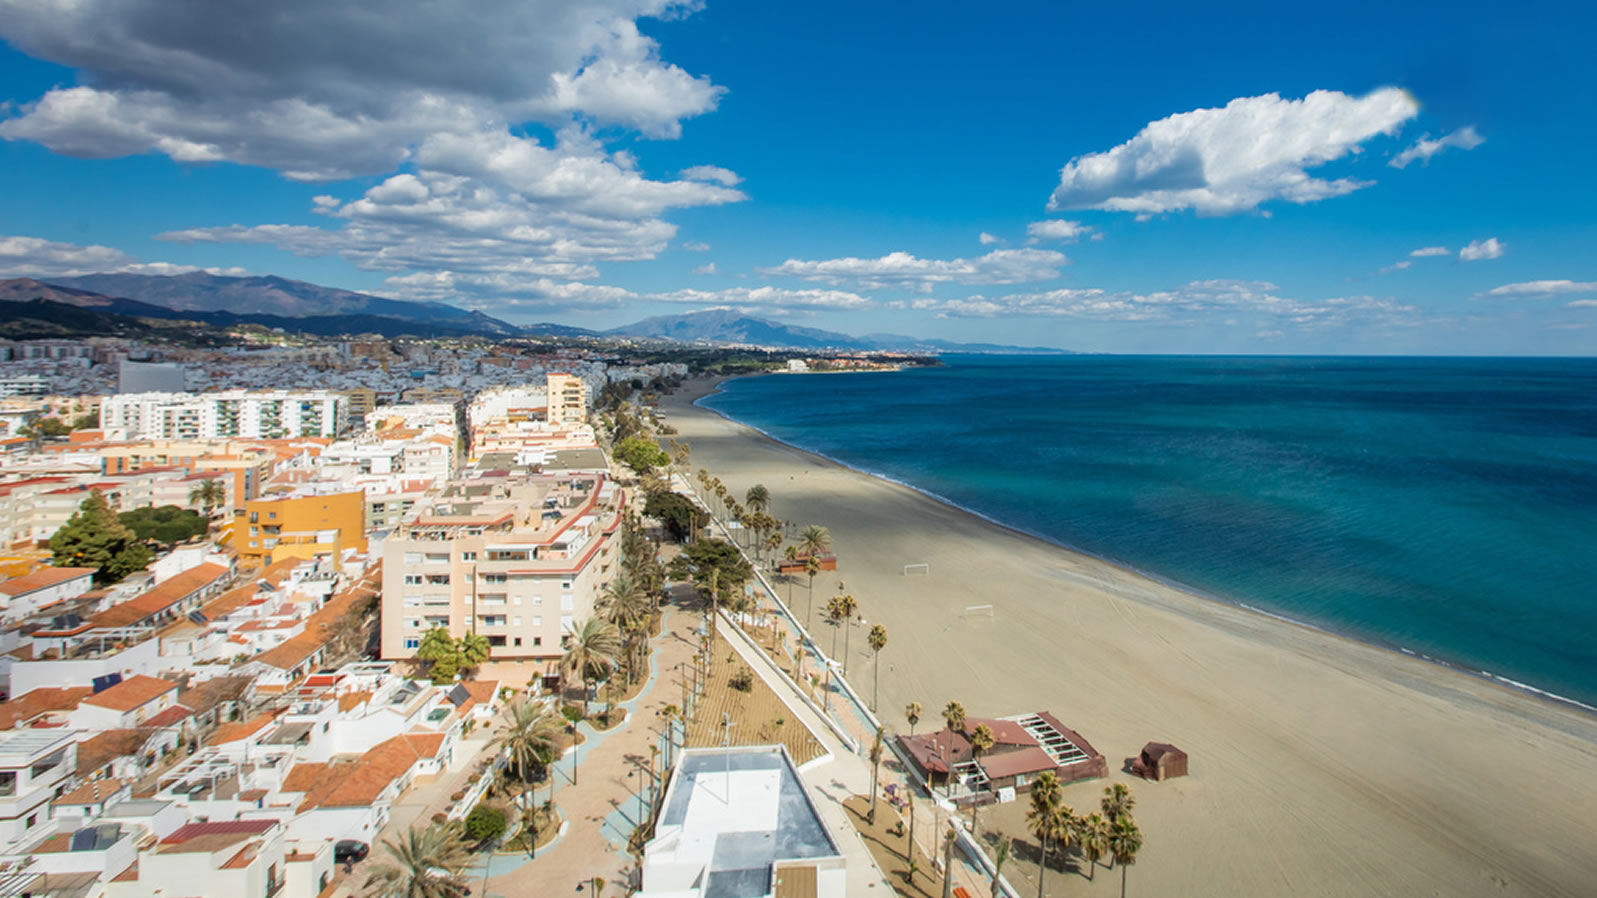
1443 507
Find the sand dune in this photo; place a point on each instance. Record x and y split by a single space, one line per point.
1321 766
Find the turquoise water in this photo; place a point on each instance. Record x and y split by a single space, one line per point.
1447 507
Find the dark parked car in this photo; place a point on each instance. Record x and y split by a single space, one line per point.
349 851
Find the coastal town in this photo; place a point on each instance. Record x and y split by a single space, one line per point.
369 617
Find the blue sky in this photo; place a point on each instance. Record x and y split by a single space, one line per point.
1148 179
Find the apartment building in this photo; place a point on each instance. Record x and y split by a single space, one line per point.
568 399
515 556
270 414
34 765
300 527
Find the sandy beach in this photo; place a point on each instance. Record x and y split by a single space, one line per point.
1320 766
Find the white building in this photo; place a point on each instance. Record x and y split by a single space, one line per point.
23 385
267 414
34 763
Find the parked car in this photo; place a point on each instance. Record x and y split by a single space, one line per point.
349 851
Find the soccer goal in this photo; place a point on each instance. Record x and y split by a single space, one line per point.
917 569
978 611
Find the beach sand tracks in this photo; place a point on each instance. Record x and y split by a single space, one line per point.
755 714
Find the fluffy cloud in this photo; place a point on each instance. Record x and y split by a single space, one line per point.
1465 138
1228 160
1542 289
1057 229
1583 304
1477 250
696 246
1424 251
987 239
1003 266
331 90
707 268
714 173
33 257
1395 266
1184 305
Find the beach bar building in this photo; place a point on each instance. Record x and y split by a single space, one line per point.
1023 748
1160 761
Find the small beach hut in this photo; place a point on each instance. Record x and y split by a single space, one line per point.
1160 761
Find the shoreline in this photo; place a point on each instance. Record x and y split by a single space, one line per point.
1321 764
1480 674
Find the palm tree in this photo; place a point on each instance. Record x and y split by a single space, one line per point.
594 648
815 540
529 736
878 641
812 566
836 614
954 717
849 607
1124 841
1094 840
876 766
1117 801
758 497
912 714
208 493
670 714
1040 819
427 863
948 859
624 603
474 650
980 741
1000 857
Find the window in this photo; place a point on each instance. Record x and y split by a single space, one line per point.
517 621
413 558
496 641
438 579
437 557
413 580
537 620
32 819
518 642
467 556
412 642
8 782
494 578
537 640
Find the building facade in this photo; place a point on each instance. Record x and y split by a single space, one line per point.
269 414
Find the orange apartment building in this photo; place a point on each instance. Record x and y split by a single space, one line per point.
270 530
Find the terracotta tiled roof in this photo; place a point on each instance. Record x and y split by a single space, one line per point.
318 626
92 792
362 782
352 700
131 693
207 694
38 701
305 776
160 598
208 837
1021 760
102 749
233 732
170 717
42 579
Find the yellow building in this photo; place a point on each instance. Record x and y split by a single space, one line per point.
568 400
271 530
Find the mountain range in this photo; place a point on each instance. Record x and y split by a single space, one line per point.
327 311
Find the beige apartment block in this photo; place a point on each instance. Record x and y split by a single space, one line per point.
519 558
568 400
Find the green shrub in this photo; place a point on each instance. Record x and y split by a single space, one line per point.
484 823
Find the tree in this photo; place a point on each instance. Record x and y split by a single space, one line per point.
593 651
698 560
1044 819
758 497
641 454
443 651
877 641
1093 836
167 525
954 718
474 649
425 863
876 767
1001 854
912 713
815 540
980 741
948 859
812 566
682 518
485 823
1124 841
86 421
94 537
837 612
624 604
849 607
208 494
1117 802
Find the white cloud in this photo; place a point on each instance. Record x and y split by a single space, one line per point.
696 246
1395 266
707 268
987 239
1185 305
1465 138
1003 266
1543 288
767 297
37 258
1477 250
1583 304
1228 160
331 90
1424 251
715 173
1057 229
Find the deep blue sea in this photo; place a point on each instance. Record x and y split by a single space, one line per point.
1443 506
